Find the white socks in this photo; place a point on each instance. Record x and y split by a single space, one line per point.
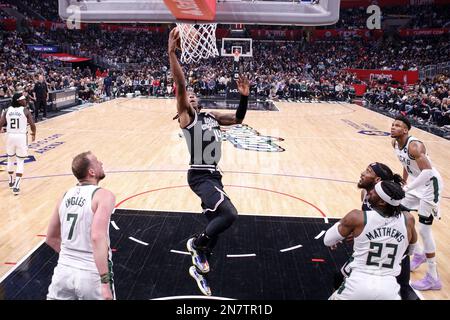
432 270
17 182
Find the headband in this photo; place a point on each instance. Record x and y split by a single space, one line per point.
379 171
385 197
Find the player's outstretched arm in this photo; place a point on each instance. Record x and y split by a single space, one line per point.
184 109
227 119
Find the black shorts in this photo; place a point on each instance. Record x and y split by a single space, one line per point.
207 184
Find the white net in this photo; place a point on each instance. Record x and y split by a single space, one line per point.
198 41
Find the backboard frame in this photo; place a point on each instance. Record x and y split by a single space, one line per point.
243 54
286 12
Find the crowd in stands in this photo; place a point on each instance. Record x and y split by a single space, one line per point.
17 65
115 47
46 8
144 48
351 18
427 102
20 68
4 15
289 70
316 73
425 16
387 53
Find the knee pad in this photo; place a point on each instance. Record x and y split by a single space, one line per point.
429 245
427 221
20 165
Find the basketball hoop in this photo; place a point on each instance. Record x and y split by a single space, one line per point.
198 41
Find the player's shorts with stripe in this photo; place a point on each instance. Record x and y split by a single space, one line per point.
207 184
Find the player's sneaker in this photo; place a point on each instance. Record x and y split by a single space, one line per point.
16 191
417 260
199 259
427 283
11 185
202 283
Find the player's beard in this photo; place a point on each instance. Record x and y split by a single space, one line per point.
365 185
101 176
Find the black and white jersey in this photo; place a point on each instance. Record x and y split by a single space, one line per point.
204 140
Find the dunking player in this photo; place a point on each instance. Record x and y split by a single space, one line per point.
16 118
381 237
374 173
423 193
203 137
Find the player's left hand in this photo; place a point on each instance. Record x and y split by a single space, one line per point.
2 130
243 85
174 40
106 291
335 246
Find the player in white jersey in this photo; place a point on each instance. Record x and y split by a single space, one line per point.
16 118
423 194
79 231
381 237
374 173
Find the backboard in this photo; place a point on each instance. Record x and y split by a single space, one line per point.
287 12
231 45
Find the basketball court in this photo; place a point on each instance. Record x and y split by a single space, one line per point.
287 188
290 169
